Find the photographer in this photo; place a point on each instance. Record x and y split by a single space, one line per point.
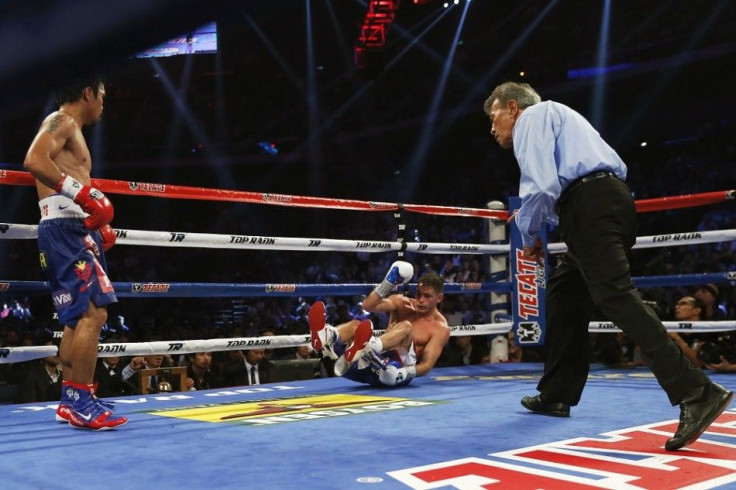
716 351
719 355
689 309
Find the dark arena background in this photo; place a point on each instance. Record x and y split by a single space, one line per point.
370 101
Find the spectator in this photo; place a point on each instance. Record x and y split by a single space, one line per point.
108 376
199 372
708 294
41 379
688 309
464 350
247 368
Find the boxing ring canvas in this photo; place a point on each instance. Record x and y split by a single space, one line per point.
456 428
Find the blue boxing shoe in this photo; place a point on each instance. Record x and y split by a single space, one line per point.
87 413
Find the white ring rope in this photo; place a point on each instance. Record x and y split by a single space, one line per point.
210 240
20 354
669 240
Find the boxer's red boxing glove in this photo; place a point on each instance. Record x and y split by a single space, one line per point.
108 237
91 200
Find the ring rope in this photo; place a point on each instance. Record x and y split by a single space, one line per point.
668 240
230 290
13 177
12 231
20 354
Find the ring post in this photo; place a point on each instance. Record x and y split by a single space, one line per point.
528 287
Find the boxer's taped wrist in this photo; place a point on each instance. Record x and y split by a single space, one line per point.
384 289
69 187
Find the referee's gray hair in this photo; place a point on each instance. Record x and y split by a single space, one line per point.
522 93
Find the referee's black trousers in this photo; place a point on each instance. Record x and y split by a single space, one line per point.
598 224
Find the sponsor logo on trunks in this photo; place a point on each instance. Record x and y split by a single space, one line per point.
142 186
61 298
379 245
277 197
627 458
4 227
150 287
285 410
677 237
4 286
42 260
83 270
252 240
280 288
110 348
529 278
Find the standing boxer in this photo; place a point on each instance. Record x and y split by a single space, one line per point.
73 235
417 331
568 172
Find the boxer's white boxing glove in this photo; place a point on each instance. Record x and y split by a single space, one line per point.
392 376
92 201
400 272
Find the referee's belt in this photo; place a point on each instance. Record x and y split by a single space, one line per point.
600 174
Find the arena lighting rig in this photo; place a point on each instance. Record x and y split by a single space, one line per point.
374 30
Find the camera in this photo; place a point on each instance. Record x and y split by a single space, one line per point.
711 353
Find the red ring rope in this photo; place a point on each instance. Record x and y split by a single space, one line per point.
12 177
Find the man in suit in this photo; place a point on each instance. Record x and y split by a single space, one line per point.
41 379
247 368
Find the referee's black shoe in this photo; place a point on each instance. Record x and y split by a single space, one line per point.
698 409
538 404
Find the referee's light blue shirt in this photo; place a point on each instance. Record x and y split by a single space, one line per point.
555 145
